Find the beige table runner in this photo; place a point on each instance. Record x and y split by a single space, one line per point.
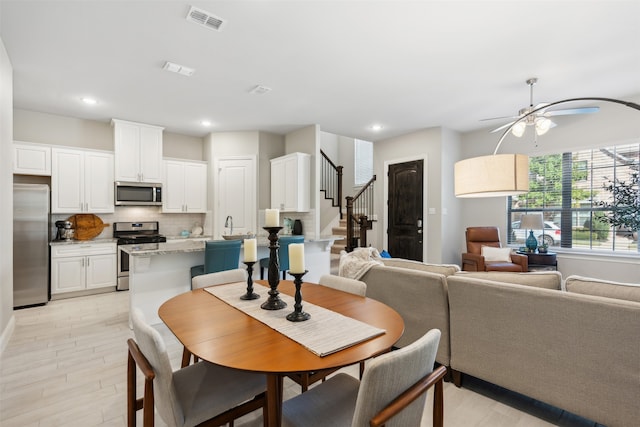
325 333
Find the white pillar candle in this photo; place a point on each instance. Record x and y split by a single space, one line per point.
296 258
271 218
250 250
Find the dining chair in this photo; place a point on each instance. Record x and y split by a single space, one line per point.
283 255
200 394
212 279
352 286
219 255
393 392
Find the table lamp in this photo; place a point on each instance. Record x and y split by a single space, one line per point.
531 221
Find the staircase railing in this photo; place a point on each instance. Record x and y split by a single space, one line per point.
359 207
331 182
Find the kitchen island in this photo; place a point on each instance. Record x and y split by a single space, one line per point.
161 271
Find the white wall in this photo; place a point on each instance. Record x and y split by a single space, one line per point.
426 144
33 126
6 195
613 124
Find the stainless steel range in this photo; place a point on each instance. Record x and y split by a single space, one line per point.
145 235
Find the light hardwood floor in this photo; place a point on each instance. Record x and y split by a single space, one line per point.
65 365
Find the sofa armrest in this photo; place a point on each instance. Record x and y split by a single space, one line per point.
472 262
521 260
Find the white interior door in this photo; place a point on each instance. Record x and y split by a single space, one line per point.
236 195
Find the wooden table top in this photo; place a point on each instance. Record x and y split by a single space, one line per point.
221 334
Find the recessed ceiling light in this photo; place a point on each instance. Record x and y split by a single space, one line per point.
376 128
89 101
177 68
205 123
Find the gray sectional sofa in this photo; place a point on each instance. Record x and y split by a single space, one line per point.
572 344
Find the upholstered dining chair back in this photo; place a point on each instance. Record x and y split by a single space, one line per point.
392 392
198 394
212 279
154 349
477 237
219 255
283 255
356 287
387 376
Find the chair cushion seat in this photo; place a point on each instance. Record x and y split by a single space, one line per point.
502 266
333 404
205 390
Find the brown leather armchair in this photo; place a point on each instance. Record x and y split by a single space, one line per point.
477 237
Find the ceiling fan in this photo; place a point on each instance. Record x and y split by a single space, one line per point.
540 120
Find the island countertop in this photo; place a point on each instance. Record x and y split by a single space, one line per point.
192 245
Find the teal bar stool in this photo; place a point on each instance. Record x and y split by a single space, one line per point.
283 255
219 255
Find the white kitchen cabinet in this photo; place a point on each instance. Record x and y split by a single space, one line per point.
79 267
290 182
31 159
184 187
81 181
138 151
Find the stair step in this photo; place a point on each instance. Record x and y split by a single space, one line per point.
339 231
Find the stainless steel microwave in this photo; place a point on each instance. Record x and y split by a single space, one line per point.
138 194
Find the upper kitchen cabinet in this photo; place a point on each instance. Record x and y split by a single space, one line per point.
31 159
81 181
290 182
184 187
138 151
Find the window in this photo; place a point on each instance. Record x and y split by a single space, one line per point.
575 193
363 166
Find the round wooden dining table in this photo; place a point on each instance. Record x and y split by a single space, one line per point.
221 334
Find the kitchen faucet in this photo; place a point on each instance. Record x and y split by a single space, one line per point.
229 223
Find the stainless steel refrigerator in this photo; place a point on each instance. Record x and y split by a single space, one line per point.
30 244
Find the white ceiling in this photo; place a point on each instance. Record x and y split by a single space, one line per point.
343 65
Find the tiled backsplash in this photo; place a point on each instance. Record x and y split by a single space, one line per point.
173 224
170 224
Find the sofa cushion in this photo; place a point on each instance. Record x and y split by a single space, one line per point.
496 254
539 279
446 269
603 288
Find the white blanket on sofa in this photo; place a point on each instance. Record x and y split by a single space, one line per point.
355 264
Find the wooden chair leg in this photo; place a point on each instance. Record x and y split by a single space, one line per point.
146 403
361 369
438 404
261 273
186 358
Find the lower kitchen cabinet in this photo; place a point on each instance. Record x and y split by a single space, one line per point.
79 267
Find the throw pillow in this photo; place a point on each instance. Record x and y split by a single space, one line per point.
492 254
385 254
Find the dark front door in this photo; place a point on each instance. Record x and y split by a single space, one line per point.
405 210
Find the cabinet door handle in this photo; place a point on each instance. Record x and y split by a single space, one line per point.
88 262
83 262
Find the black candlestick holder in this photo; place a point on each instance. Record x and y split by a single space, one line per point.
273 302
250 294
298 315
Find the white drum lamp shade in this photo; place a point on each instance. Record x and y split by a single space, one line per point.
492 176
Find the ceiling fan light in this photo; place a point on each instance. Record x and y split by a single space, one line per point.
518 129
542 125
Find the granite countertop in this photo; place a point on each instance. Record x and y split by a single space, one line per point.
82 242
181 245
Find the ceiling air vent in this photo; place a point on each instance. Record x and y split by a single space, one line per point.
205 19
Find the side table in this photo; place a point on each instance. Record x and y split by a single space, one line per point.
541 262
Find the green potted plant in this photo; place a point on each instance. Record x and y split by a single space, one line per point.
543 248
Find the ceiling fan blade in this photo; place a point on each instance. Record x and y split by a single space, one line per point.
569 111
499 118
502 127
